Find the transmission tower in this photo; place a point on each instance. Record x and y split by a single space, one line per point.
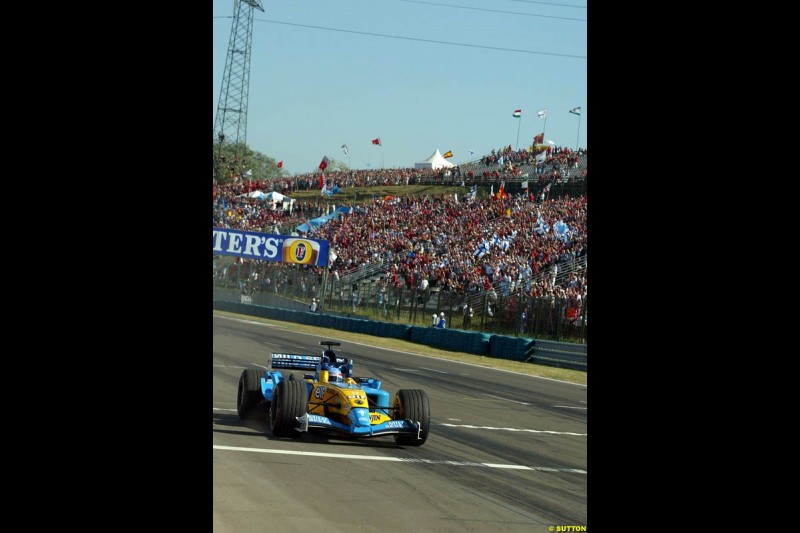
230 124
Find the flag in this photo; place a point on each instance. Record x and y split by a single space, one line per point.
471 152
280 164
377 141
524 185
249 173
321 181
517 113
575 110
345 150
542 113
547 188
448 154
539 139
324 189
324 164
541 157
501 192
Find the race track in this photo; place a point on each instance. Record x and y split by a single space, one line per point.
506 452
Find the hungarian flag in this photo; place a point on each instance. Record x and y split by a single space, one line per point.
377 141
280 164
542 113
539 139
517 113
448 154
324 164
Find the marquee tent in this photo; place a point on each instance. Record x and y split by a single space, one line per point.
435 161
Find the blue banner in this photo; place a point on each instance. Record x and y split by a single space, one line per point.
266 247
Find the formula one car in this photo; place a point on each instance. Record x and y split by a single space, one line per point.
332 400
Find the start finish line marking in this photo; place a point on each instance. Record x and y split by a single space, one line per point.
400 460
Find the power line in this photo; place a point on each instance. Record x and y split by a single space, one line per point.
548 3
424 40
494 10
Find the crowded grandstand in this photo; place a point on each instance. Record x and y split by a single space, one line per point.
506 251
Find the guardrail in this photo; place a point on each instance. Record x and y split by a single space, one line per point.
559 354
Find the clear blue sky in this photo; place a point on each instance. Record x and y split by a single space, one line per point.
312 89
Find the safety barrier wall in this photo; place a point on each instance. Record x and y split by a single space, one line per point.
550 353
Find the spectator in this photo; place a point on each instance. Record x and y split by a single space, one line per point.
467 316
442 322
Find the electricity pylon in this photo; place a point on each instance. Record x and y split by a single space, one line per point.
230 124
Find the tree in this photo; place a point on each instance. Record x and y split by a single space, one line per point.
334 165
234 160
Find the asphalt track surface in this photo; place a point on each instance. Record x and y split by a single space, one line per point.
505 452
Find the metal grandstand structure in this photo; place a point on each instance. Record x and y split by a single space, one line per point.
230 124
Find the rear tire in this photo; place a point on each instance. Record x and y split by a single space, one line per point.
413 404
249 392
289 401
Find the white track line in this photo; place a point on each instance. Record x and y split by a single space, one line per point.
515 429
433 370
569 407
504 399
229 366
400 460
401 351
221 409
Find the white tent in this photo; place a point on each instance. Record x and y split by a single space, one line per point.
274 196
434 161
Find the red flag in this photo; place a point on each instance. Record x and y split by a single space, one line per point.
539 139
377 141
321 181
501 192
324 164
280 164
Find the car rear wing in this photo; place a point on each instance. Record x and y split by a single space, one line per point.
296 361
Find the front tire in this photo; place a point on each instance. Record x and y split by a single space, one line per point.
413 404
289 401
249 392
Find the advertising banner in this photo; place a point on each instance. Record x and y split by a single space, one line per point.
266 247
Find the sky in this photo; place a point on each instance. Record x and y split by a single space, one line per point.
419 75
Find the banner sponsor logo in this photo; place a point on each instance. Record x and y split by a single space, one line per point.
266 247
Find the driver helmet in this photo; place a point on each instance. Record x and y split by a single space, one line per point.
335 376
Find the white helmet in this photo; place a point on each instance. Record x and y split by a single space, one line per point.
335 375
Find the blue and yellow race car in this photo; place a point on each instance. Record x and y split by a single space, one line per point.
331 399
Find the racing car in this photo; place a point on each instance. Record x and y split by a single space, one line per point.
331 399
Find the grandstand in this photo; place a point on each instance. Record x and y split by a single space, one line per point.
504 258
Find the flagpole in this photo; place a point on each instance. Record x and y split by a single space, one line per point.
579 133
544 130
382 165
518 126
